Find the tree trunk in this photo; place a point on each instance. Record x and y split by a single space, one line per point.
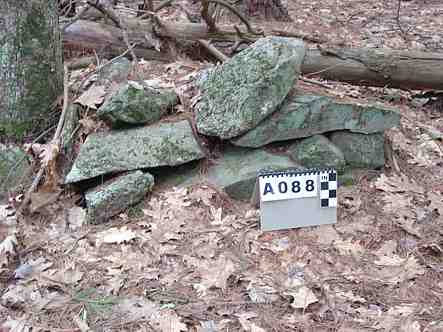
31 75
370 67
377 67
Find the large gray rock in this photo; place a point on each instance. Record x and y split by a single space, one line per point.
244 90
134 104
163 144
235 172
361 150
14 168
117 195
306 115
317 151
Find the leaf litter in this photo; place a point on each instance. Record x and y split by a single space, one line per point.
197 261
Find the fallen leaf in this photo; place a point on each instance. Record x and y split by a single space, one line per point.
8 249
92 97
303 297
115 235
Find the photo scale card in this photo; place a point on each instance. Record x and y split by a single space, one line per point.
296 199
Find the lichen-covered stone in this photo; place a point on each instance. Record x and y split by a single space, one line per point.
244 90
135 105
115 72
14 165
162 144
117 195
317 151
361 150
235 171
305 115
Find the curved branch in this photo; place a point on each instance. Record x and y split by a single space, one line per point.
236 12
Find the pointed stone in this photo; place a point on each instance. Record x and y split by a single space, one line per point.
163 144
244 90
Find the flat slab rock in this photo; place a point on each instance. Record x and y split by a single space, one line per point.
117 195
162 144
135 104
306 115
244 90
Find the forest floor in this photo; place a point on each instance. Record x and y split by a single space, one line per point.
194 260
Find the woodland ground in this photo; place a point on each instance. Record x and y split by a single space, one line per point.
193 259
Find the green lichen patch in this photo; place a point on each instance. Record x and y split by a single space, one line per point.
133 105
163 144
317 151
116 196
244 90
305 115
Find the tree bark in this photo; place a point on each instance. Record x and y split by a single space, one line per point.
369 67
31 75
377 67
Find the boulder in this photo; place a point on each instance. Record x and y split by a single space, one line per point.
117 195
305 115
235 171
134 104
162 144
317 151
14 166
245 89
361 150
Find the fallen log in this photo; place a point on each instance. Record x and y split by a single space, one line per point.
369 67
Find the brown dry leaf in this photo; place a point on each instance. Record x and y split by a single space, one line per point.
410 326
76 218
8 249
247 325
138 308
436 202
349 247
214 273
303 297
394 269
401 206
397 184
92 97
21 324
115 235
88 125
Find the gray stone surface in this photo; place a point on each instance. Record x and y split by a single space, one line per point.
162 144
115 72
317 151
14 166
235 172
361 150
134 105
117 195
244 90
305 115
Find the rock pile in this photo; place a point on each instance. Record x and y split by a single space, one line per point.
249 103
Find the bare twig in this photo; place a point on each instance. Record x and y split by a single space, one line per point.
207 17
237 13
397 18
106 12
56 139
307 80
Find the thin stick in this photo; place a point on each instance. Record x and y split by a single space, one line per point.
58 131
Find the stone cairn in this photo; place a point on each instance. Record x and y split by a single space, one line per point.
250 103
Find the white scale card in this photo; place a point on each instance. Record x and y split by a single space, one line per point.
295 199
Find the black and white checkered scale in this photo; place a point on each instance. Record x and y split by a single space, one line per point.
328 189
